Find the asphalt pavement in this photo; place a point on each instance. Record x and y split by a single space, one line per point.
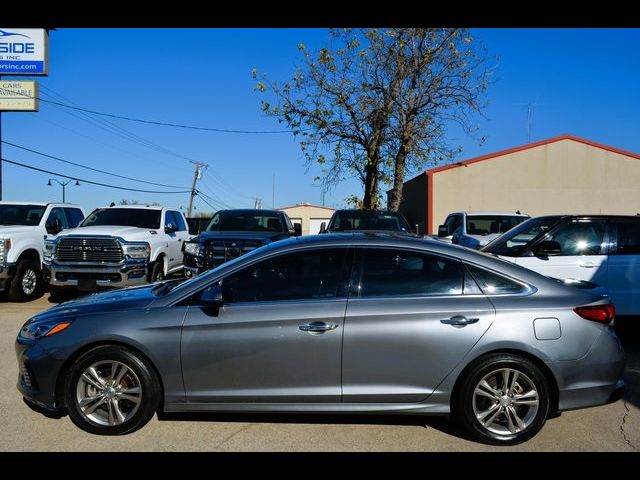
614 427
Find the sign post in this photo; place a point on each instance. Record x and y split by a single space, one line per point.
23 51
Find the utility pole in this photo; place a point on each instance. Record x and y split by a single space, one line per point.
273 193
197 175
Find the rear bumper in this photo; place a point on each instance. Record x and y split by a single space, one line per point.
595 379
125 274
7 272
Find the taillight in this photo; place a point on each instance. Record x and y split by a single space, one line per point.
597 313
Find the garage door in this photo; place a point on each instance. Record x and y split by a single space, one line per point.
314 225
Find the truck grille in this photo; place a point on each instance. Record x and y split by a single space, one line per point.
220 251
78 249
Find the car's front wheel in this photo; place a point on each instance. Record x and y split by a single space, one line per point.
27 284
111 390
503 400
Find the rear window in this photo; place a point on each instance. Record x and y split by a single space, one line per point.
487 224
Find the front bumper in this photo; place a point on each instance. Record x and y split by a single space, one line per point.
125 274
7 272
38 372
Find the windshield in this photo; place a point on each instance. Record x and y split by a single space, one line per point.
26 215
127 217
520 237
487 224
368 220
230 221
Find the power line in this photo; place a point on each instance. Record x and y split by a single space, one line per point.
154 122
219 203
87 167
88 181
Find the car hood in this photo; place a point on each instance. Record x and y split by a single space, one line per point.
256 236
113 300
128 233
6 230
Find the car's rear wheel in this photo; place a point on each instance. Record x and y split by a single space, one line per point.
503 400
111 391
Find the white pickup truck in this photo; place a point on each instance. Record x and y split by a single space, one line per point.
476 229
23 229
117 246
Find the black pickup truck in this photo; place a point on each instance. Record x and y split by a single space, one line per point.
232 233
368 221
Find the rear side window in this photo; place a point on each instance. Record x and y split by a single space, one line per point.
494 284
628 237
74 216
388 272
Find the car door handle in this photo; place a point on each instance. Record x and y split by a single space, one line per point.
318 327
588 265
459 320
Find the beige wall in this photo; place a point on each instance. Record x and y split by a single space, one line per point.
560 177
306 213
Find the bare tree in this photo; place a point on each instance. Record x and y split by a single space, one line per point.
376 102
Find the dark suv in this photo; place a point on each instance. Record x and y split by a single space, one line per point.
232 233
367 220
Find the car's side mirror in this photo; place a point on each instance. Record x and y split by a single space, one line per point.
170 228
54 227
323 227
297 229
443 231
547 247
212 297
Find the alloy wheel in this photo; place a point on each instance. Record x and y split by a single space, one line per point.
505 401
29 281
108 393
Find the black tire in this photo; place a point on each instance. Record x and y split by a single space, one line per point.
149 397
60 294
27 284
463 406
156 273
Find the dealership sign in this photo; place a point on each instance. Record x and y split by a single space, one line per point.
23 51
18 96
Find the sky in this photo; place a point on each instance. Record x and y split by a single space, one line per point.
580 81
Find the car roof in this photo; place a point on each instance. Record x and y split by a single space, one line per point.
588 215
368 210
144 207
40 204
250 210
475 214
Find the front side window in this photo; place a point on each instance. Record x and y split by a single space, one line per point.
581 237
628 237
24 215
127 217
494 284
513 243
233 221
310 275
74 216
169 219
453 222
180 223
388 272
57 215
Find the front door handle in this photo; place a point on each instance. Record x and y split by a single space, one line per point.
588 265
318 327
459 320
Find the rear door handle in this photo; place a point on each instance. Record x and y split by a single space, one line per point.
318 327
459 320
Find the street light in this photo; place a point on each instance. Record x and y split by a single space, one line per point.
63 184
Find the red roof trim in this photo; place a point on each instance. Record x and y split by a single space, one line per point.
305 205
533 145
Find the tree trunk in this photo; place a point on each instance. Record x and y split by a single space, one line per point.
370 187
395 195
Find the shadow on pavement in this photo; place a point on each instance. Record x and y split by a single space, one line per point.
44 411
628 329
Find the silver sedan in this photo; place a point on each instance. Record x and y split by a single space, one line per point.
351 323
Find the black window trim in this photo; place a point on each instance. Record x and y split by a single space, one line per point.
612 230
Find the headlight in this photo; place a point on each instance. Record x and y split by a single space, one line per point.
49 250
192 248
5 245
137 250
35 329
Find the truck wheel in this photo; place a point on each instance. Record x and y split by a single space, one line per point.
27 284
156 274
